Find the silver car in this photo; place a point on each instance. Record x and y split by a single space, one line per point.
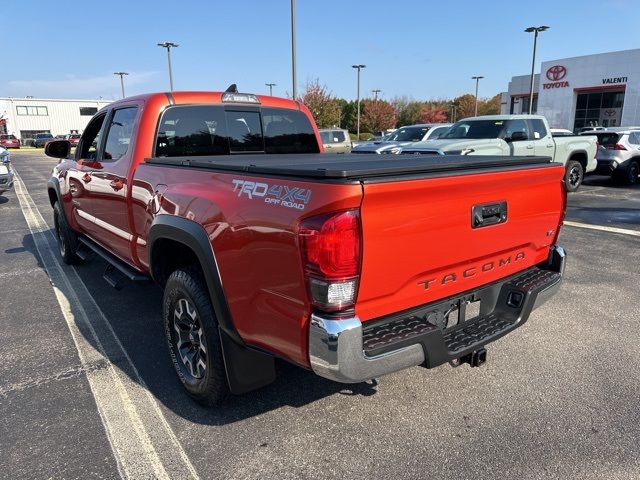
402 137
6 175
618 154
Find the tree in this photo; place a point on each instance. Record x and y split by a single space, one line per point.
348 114
490 106
407 110
465 106
324 108
377 115
430 114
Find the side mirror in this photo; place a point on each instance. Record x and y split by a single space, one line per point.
58 148
517 137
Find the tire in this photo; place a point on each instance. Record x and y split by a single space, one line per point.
631 173
191 330
67 238
573 176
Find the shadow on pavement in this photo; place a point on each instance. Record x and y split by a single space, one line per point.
134 314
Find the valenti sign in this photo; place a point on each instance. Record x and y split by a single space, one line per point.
556 76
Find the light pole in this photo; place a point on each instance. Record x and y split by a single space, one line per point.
169 46
477 79
270 85
122 74
293 46
376 92
541 28
453 113
358 67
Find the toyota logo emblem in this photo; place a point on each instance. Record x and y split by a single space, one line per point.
557 72
610 113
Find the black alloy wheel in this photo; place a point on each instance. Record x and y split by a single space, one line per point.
191 331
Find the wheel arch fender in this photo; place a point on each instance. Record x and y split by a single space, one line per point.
246 368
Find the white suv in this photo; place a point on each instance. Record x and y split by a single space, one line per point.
618 154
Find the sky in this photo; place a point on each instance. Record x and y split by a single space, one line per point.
421 49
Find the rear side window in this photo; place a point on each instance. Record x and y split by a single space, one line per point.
634 138
119 135
192 131
338 136
537 126
288 131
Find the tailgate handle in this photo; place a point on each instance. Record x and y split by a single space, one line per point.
488 214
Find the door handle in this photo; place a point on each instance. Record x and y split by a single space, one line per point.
116 184
529 147
86 178
550 145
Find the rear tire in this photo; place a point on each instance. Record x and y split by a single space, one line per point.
632 172
67 238
573 176
191 330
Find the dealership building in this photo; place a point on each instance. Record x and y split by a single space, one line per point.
593 90
26 117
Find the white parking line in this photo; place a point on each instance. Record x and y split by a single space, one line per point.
143 443
624 231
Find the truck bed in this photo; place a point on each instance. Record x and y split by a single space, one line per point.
347 166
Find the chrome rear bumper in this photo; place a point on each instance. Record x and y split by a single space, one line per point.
337 350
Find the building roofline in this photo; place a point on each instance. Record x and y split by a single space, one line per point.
23 99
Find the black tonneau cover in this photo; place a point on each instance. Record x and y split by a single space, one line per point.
347 166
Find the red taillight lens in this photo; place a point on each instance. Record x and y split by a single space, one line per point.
330 246
619 146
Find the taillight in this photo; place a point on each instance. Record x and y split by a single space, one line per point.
330 246
619 146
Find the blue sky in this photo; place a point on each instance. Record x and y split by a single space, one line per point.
419 48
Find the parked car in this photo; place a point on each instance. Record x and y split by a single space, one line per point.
74 138
618 154
588 129
560 132
9 141
352 266
335 140
61 137
403 136
518 135
41 139
6 175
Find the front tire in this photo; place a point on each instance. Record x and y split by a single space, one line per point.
67 238
573 176
191 330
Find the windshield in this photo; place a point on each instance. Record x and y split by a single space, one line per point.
475 129
407 134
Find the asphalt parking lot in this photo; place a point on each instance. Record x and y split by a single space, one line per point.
558 398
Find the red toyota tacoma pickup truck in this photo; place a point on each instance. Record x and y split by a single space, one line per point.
351 266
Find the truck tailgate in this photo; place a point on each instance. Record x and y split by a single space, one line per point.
421 242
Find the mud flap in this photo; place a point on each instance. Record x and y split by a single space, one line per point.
246 369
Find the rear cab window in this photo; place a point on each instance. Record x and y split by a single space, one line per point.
202 130
537 128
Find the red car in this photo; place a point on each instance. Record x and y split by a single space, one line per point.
74 138
9 141
352 266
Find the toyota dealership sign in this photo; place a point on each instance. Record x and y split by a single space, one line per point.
556 75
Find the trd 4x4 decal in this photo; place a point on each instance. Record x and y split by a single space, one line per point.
290 197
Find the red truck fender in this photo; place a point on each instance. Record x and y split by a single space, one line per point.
246 368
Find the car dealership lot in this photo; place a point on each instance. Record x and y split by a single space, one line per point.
557 399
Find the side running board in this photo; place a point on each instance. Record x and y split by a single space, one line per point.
116 271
